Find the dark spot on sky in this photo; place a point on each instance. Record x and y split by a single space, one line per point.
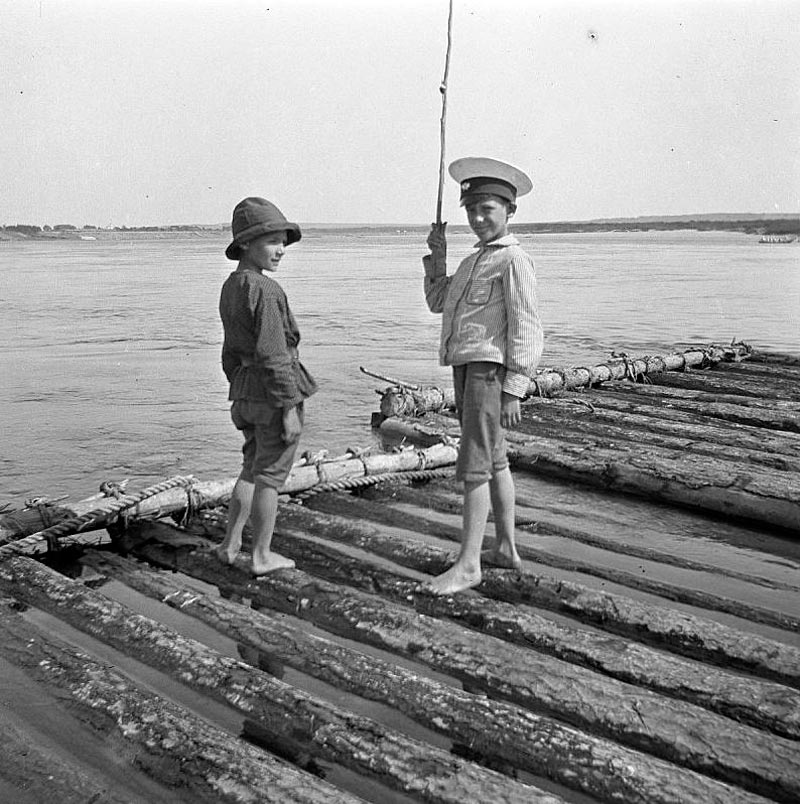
592 36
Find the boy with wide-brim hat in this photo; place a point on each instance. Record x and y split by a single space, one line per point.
268 383
492 337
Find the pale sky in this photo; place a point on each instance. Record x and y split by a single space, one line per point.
152 112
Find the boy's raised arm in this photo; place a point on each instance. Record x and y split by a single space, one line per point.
435 263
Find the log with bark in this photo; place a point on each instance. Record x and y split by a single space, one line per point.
676 731
291 718
761 493
613 418
665 628
765 367
35 516
765 704
170 744
185 494
773 616
499 734
716 484
100 510
779 387
779 358
691 407
34 768
413 400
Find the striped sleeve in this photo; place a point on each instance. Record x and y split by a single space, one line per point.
524 337
436 283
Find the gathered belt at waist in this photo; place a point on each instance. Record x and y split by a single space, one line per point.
251 361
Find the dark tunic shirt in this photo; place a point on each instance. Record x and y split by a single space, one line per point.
259 353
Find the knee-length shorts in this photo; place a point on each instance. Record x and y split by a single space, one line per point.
479 394
265 455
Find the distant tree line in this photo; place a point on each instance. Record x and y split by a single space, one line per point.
748 226
33 229
760 226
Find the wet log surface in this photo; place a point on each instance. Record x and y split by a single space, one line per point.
294 720
648 651
708 464
679 732
747 491
502 734
777 384
698 406
767 705
181 750
695 596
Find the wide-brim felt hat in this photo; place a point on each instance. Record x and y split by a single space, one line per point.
479 175
253 217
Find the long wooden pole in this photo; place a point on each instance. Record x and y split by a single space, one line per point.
443 90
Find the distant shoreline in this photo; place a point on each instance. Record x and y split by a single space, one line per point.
786 224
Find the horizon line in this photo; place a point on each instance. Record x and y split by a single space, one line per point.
362 224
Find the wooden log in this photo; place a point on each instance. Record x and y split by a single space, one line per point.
763 704
624 367
663 627
497 732
723 383
306 477
407 401
35 773
775 358
99 511
539 515
679 732
289 716
693 597
711 403
561 419
595 414
196 494
179 749
758 493
761 370
698 481
724 413
660 626
16 524
672 397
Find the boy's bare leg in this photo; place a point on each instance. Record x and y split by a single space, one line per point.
238 514
466 572
504 553
263 512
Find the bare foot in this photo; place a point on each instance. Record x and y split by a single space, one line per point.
504 555
226 553
453 580
272 561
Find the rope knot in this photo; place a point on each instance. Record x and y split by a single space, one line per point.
110 488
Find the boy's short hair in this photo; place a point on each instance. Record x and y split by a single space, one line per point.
510 206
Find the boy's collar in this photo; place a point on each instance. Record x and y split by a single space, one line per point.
505 240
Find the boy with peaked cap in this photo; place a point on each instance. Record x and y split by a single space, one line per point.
268 383
492 337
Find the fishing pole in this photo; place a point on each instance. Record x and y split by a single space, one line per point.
443 90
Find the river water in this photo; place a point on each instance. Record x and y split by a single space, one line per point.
109 349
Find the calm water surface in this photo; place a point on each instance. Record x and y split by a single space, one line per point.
109 350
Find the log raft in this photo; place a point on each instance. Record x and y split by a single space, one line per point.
647 651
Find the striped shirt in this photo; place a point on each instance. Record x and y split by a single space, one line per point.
490 311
